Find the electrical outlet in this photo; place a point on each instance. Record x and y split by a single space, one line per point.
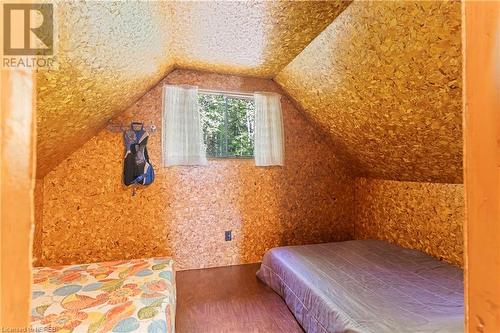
228 235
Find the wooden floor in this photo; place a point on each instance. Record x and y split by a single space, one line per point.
229 299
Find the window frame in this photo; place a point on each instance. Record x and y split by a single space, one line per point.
231 94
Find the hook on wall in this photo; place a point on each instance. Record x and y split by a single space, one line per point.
119 128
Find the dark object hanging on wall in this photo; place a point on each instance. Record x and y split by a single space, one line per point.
137 168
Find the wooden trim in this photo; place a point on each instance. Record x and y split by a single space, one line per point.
17 168
482 165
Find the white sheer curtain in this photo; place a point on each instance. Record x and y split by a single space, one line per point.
269 142
182 138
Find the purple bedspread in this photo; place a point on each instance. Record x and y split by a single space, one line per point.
366 286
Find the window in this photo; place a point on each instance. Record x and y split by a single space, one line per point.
228 123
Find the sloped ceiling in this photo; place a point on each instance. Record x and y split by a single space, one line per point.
256 38
384 79
111 53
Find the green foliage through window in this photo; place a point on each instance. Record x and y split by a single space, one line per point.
228 125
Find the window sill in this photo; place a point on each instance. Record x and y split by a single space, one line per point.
230 158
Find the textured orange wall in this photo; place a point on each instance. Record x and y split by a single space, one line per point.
37 236
89 216
424 216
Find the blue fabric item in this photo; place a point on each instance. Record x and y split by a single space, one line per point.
137 168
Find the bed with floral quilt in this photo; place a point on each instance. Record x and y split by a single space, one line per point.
119 296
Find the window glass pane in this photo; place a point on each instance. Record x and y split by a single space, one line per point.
240 125
212 119
228 125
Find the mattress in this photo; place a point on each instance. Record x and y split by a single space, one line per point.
366 286
120 296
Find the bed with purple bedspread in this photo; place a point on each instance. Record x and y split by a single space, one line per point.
366 286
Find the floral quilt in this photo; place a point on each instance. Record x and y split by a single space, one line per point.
119 296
